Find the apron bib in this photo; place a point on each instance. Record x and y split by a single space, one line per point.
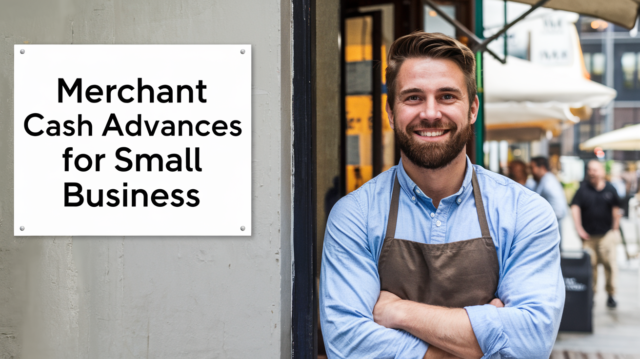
457 274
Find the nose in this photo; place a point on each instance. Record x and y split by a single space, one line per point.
430 111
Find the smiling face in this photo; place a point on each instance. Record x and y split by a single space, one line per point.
432 115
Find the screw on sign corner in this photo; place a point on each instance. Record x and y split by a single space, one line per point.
22 228
242 51
242 228
22 51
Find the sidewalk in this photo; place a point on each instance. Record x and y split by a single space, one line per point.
616 332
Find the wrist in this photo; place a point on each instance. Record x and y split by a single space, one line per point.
400 314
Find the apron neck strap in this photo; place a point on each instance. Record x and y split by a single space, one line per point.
482 216
395 202
393 210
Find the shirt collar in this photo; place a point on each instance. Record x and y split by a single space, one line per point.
410 188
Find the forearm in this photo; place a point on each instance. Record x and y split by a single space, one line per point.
616 218
436 353
446 328
577 216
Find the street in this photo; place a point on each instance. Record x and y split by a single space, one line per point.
616 332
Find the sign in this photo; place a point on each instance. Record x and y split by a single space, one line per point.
552 44
132 140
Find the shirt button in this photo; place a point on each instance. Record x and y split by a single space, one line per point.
459 200
413 198
438 223
417 191
433 215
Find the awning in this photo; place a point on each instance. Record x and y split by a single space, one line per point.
521 92
519 80
623 139
620 12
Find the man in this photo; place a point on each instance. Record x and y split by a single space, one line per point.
518 172
547 186
595 210
437 258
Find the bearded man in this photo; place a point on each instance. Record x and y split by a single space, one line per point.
436 257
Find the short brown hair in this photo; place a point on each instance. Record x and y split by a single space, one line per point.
430 45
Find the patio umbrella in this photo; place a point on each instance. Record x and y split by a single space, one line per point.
521 92
621 12
623 139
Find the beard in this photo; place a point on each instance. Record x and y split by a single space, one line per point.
433 155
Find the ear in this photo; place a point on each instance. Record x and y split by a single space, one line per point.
475 106
390 116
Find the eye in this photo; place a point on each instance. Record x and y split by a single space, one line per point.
413 98
448 97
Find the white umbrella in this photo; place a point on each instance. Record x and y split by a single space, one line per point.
520 91
623 139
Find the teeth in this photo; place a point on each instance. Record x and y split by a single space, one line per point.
430 133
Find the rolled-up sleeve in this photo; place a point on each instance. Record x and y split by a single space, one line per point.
531 287
349 290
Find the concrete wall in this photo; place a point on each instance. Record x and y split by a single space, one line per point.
146 297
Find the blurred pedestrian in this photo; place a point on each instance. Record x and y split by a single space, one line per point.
595 210
518 171
548 187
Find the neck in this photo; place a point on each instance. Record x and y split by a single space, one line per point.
599 185
541 175
437 183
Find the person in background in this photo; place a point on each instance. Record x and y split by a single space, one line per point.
547 185
631 186
595 210
518 171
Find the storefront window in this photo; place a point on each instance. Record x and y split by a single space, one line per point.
436 23
638 67
597 65
628 60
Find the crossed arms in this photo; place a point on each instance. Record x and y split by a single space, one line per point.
446 328
530 286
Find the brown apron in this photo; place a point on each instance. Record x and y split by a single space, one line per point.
456 274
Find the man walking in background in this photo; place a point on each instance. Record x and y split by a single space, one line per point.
547 186
595 210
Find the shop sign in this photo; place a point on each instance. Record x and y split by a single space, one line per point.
132 140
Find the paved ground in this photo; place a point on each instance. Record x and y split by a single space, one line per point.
616 332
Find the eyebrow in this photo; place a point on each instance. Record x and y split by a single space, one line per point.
450 89
442 89
411 90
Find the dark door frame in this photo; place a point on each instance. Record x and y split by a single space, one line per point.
304 316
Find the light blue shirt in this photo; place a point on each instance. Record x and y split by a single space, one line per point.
524 231
550 189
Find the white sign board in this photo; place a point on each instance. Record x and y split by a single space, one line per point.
132 140
551 42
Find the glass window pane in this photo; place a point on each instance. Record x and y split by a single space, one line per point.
359 101
436 23
638 68
628 70
598 64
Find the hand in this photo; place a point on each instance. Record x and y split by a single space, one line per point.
497 303
583 234
384 312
